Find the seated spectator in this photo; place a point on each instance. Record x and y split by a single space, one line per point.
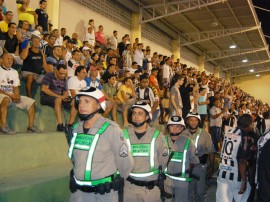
153 79
109 55
74 62
42 16
133 68
109 71
67 48
10 93
76 40
58 37
54 93
92 79
4 23
77 82
63 32
48 47
86 56
23 33
55 60
34 63
126 95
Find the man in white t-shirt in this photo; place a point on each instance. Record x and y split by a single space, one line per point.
74 62
10 93
77 82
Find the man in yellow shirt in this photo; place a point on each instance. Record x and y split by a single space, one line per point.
26 13
4 23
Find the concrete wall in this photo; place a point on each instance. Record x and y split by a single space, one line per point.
256 86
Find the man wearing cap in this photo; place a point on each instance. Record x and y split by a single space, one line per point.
34 63
150 152
98 150
183 158
204 150
232 182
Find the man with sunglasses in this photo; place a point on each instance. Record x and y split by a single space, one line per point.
54 93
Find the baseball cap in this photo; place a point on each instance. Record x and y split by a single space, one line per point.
85 48
36 33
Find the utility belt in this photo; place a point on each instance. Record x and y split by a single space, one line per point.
148 184
203 159
116 184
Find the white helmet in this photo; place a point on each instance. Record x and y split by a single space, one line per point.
196 115
91 92
176 120
144 106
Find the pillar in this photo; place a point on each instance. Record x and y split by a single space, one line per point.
176 49
216 71
136 27
201 63
53 9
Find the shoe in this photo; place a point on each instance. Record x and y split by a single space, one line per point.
7 130
60 128
33 130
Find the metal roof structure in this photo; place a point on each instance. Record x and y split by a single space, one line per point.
209 28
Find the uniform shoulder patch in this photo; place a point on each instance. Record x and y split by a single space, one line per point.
123 150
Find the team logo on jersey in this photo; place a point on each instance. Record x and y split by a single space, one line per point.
123 150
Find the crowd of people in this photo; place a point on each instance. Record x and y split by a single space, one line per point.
146 88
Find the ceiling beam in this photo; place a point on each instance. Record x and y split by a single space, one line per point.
161 10
197 37
217 55
246 72
236 65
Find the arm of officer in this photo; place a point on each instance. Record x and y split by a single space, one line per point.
163 151
123 159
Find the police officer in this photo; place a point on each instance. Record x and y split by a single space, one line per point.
150 153
263 167
182 160
232 183
204 150
98 151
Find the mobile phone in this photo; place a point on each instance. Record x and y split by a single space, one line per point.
31 43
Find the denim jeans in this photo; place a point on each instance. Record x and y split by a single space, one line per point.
216 135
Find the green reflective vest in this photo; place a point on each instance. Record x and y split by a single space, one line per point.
179 157
144 150
81 141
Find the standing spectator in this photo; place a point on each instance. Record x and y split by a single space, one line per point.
100 38
4 23
113 41
121 47
54 93
2 9
202 105
90 37
175 96
166 74
55 60
127 56
23 33
153 78
138 56
185 91
216 115
33 63
26 13
10 93
42 16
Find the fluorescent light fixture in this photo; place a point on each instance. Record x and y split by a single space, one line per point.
258 75
245 60
251 70
232 46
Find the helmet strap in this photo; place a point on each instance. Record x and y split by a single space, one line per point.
85 117
137 125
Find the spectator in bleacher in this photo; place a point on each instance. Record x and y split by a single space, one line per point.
23 33
34 63
113 41
54 93
2 9
138 56
135 43
126 95
48 47
42 16
74 62
92 79
58 37
26 13
127 57
109 71
176 104
67 51
133 68
121 47
86 57
55 60
76 40
90 37
153 78
4 23
109 55
100 38
10 93
166 73
63 32
202 105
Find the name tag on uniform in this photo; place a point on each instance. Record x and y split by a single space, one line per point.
177 157
140 149
83 141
